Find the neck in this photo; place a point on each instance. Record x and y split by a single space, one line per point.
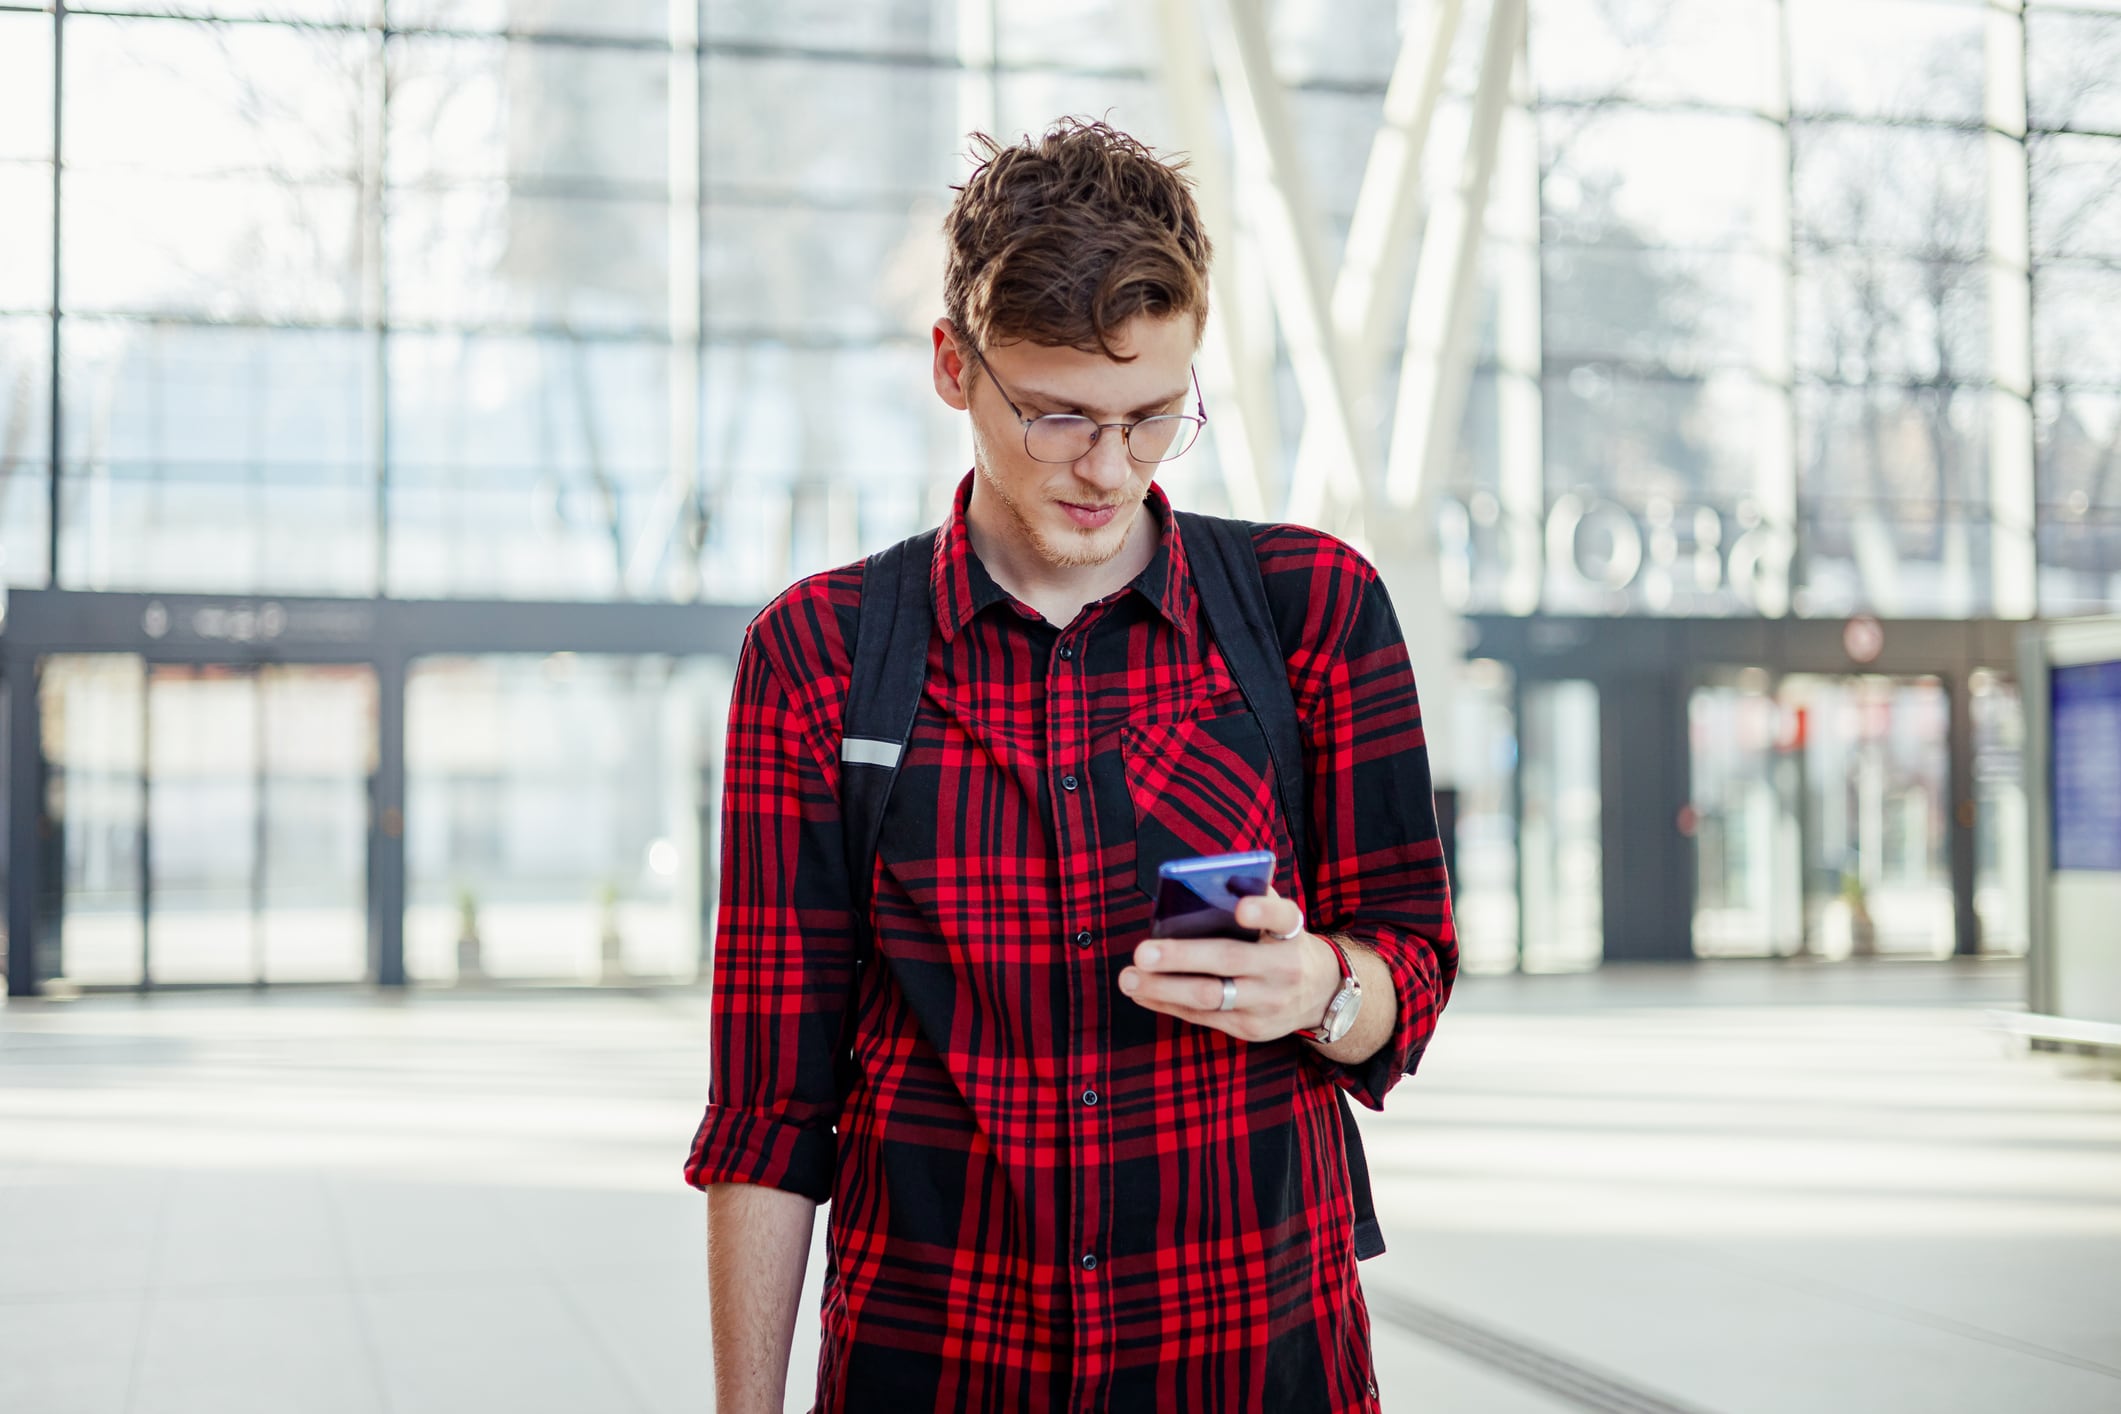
1058 592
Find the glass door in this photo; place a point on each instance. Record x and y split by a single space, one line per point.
257 806
1877 872
1747 789
1562 857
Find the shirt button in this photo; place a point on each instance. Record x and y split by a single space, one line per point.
1082 940
1089 1261
1067 652
1067 783
1089 1097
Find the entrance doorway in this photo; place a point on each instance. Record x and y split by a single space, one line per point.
1822 815
213 819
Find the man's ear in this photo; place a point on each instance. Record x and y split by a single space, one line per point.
952 368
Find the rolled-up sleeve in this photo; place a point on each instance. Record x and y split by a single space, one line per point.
1379 870
784 941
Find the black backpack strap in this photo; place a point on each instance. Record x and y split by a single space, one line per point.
1233 596
890 666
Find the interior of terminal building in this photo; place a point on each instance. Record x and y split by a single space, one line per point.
403 406
406 405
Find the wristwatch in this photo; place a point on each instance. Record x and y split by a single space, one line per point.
1340 1012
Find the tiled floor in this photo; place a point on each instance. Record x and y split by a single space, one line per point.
1732 1189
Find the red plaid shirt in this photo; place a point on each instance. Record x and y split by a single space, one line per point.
1043 1196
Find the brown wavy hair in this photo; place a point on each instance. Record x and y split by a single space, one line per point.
1063 238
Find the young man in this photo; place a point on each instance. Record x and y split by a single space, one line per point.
1069 1168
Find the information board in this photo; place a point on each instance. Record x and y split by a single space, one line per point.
2087 766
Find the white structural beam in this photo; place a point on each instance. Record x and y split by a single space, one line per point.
2013 560
1381 238
1287 223
1773 263
658 548
1520 436
1237 348
1440 316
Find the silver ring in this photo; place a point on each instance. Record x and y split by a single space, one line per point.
1294 933
1229 994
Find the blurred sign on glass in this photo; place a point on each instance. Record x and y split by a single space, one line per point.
2087 766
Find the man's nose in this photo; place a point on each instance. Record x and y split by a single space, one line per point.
1106 465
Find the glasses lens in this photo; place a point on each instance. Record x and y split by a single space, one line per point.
1059 437
1158 439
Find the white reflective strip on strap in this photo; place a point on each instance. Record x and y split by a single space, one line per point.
868 751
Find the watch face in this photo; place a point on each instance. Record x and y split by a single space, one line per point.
1342 1012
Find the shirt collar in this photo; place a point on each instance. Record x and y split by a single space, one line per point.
962 587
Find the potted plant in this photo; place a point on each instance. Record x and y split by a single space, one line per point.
470 964
611 943
1863 933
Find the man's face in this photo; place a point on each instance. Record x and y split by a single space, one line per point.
1068 514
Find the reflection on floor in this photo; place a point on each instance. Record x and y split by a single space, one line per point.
1734 1188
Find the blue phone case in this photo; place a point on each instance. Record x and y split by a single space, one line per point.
1197 897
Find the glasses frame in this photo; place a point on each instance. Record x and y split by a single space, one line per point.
1199 415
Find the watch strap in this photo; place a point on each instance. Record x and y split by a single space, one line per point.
1347 978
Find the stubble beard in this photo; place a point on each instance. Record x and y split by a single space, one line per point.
1074 547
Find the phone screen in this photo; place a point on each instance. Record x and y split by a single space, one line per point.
1197 897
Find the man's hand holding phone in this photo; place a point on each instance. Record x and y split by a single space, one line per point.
1231 953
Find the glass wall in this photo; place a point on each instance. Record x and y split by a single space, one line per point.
1783 255
560 816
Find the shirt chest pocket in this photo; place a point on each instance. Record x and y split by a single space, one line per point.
1204 785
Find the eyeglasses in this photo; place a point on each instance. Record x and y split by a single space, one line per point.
1068 437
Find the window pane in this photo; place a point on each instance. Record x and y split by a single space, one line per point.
168 98
2079 444
1893 484
642 19
93 705
2073 70
217 459
824 272
1673 309
1334 132
242 248
525 467
2076 335
1080 34
1032 101
25 88
1622 434
559 815
487 254
25 236
1909 189
2076 196
1887 58
557 120
897 26
862 128
790 491
1654 50
1341 41
25 449
1654 179
336 12
1863 315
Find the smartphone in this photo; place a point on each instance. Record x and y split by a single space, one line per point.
1197 897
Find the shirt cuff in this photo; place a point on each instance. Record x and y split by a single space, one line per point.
750 1146
1411 960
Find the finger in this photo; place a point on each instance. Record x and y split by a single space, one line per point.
1208 957
1167 992
1237 1024
1270 912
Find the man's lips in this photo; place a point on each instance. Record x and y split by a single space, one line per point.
1090 516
